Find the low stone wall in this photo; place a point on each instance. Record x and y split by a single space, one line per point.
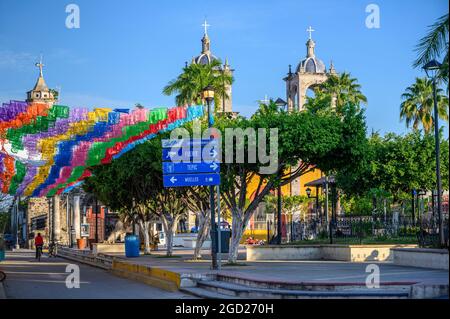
108 248
353 253
283 252
360 253
421 257
191 242
86 257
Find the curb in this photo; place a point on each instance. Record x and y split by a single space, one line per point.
156 277
152 276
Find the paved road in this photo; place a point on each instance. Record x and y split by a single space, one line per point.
29 279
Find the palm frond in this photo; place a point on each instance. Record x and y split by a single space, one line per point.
434 43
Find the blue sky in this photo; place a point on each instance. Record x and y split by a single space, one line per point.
125 52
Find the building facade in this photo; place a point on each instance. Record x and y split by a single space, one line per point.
310 73
206 57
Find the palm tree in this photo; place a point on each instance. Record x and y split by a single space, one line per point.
417 107
195 77
267 109
433 45
344 89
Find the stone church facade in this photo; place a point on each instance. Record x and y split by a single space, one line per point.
206 57
310 73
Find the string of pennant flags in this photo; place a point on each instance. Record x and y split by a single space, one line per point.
46 150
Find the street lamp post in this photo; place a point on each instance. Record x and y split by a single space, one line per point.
279 225
280 103
208 95
432 69
96 220
17 246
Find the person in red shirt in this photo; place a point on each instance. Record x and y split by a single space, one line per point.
38 242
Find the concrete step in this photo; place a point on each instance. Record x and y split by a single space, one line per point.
205 294
241 291
310 286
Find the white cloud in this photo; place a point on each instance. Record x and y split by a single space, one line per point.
16 60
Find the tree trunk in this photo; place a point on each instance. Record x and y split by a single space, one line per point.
203 229
237 231
170 226
145 229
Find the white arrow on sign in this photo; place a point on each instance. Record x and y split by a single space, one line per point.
173 179
214 166
213 153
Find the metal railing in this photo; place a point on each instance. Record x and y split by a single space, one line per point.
423 231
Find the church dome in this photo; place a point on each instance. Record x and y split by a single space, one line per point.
204 58
311 65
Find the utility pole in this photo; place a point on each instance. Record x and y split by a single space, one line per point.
219 240
53 219
208 95
438 166
17 246
328 220
96 220
279 206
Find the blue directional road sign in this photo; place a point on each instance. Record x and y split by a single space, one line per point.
184 165
179 180
185 154
183 168
194 142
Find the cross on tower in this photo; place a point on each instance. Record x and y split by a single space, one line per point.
310 30
40 66
265 101
206 25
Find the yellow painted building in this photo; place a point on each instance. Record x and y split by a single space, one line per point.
257 226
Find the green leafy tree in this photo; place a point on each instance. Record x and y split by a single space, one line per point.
305 141
189 85
397 165
126 184
418 106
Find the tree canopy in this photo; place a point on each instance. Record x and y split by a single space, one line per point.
396 164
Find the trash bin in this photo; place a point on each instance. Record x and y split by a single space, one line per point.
131 246
225 235
81 243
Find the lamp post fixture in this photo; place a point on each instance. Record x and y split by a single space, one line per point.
308 192
208 96
280 103
432 69
316 214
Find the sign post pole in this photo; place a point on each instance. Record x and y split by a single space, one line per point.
219 240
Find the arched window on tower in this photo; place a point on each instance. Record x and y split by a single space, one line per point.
295 97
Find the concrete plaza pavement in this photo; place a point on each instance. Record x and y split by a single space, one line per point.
29 279
289 271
